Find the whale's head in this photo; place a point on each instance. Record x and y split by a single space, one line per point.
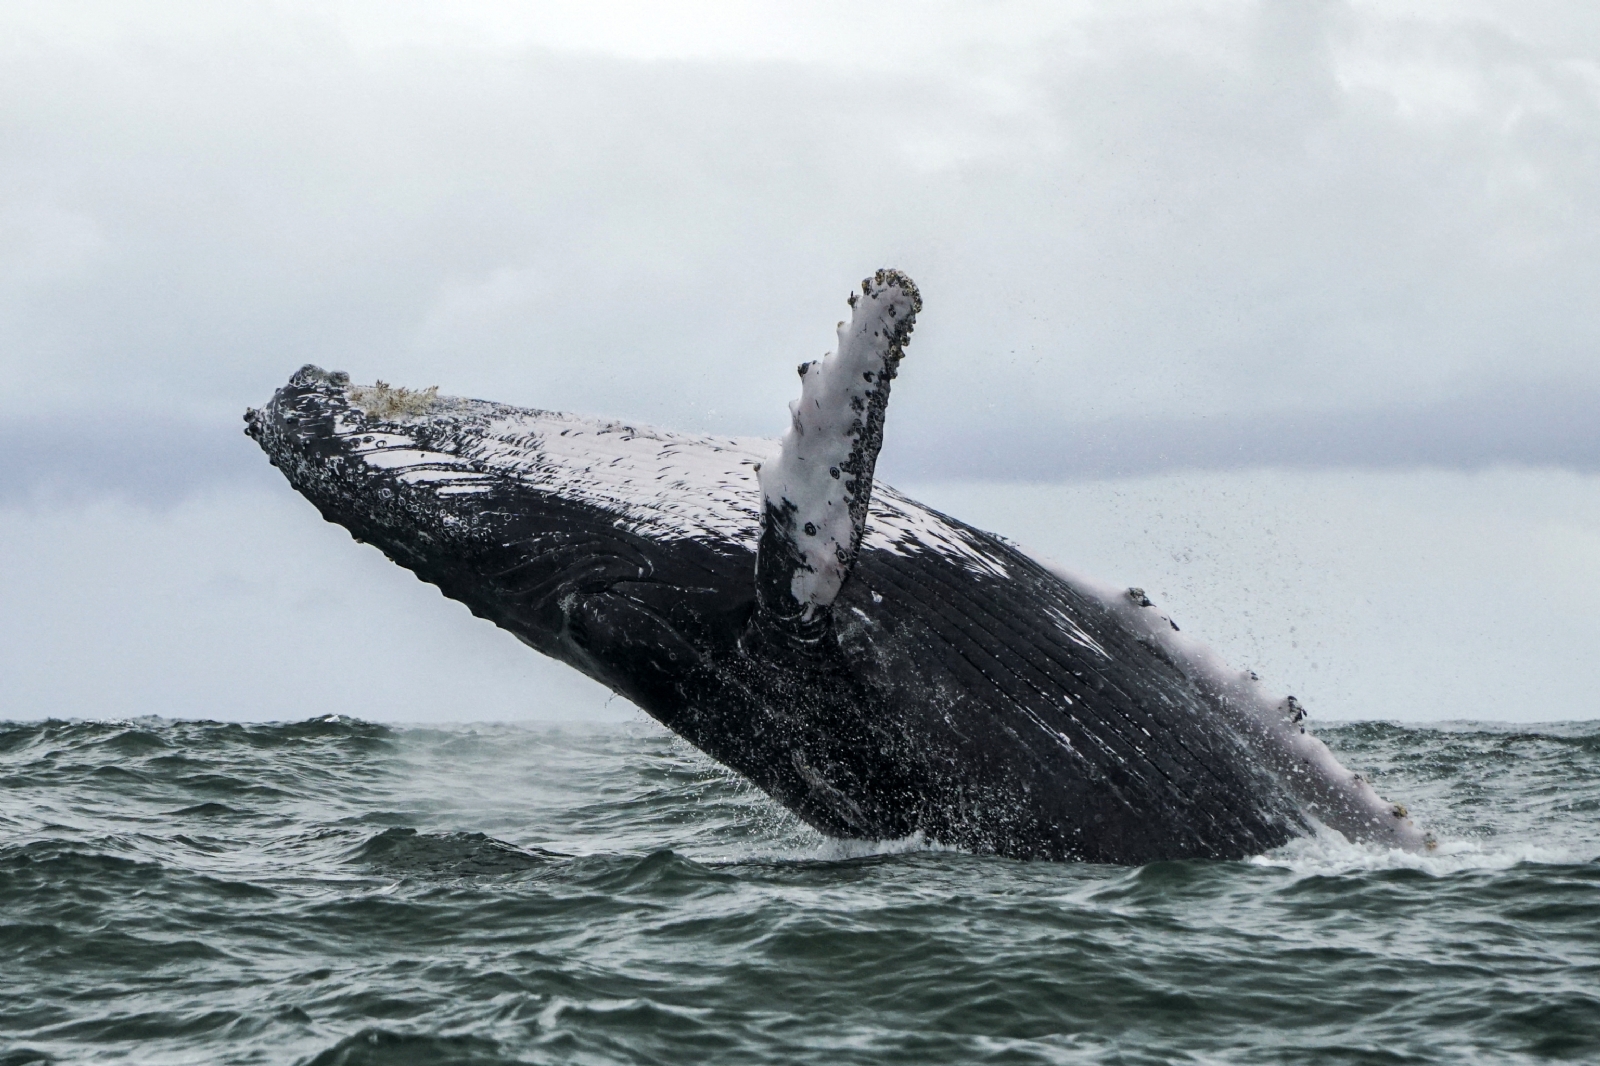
625 551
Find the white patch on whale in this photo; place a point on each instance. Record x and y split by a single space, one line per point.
1074 632
663 485
901 526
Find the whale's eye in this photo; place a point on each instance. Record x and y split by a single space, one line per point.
811 529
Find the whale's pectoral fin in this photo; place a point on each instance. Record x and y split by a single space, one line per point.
815 493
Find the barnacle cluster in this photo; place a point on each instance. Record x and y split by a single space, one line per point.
389 402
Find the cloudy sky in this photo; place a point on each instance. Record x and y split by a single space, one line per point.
1152 237
1148 233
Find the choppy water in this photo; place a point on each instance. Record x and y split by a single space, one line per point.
340 892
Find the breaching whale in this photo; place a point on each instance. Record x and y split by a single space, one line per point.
878 668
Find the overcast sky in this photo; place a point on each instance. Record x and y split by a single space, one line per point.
1148 234
1219 270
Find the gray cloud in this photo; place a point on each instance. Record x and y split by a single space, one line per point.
1526 425
1242 234
158 462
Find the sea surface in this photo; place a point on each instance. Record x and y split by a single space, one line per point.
337 891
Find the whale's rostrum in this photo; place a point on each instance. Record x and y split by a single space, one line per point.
878 668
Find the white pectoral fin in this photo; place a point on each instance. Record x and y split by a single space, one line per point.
816 491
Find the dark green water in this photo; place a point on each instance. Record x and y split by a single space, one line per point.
340 892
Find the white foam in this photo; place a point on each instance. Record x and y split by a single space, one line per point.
1327 853
812 846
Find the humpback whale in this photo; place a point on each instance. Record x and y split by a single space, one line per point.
877 667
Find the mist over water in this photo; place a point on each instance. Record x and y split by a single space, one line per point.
337 891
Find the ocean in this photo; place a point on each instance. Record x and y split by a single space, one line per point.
337 891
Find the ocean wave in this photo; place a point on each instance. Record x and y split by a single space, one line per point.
334 891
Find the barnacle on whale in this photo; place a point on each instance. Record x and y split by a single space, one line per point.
391 403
